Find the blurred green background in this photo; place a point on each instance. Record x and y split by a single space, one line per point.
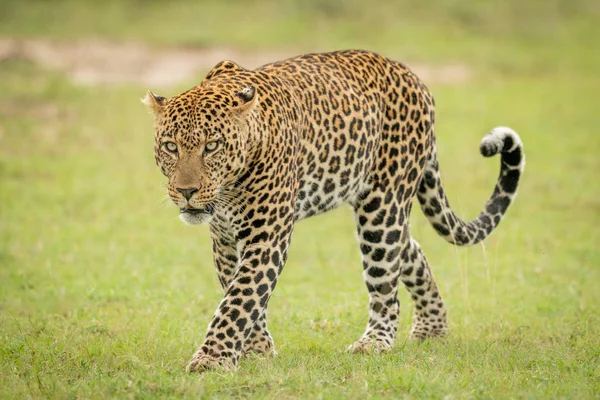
105 294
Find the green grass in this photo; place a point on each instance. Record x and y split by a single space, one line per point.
105 294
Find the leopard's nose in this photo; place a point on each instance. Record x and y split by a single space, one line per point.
187 192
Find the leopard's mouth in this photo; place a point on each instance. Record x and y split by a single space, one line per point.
195 211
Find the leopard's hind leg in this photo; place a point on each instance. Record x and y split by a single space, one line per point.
389 254
429 318
381 228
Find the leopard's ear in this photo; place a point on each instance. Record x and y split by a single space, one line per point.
155 102
248 99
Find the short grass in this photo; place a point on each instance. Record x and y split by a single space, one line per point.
105 294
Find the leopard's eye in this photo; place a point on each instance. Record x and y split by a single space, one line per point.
211 146
171 147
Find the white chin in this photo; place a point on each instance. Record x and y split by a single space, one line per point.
195 219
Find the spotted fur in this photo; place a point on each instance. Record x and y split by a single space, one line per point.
252 152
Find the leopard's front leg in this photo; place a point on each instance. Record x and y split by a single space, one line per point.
226 262
263 254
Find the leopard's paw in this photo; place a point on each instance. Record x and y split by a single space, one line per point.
201 362
420 334
260 347
368 345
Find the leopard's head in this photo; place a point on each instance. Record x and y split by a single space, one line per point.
201 145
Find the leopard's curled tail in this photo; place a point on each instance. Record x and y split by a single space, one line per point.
435 205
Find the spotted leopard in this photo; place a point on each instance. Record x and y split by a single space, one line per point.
251 152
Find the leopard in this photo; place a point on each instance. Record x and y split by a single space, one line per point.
252 152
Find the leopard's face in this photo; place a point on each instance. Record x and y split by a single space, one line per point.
201 147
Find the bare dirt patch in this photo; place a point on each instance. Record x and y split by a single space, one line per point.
99 62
